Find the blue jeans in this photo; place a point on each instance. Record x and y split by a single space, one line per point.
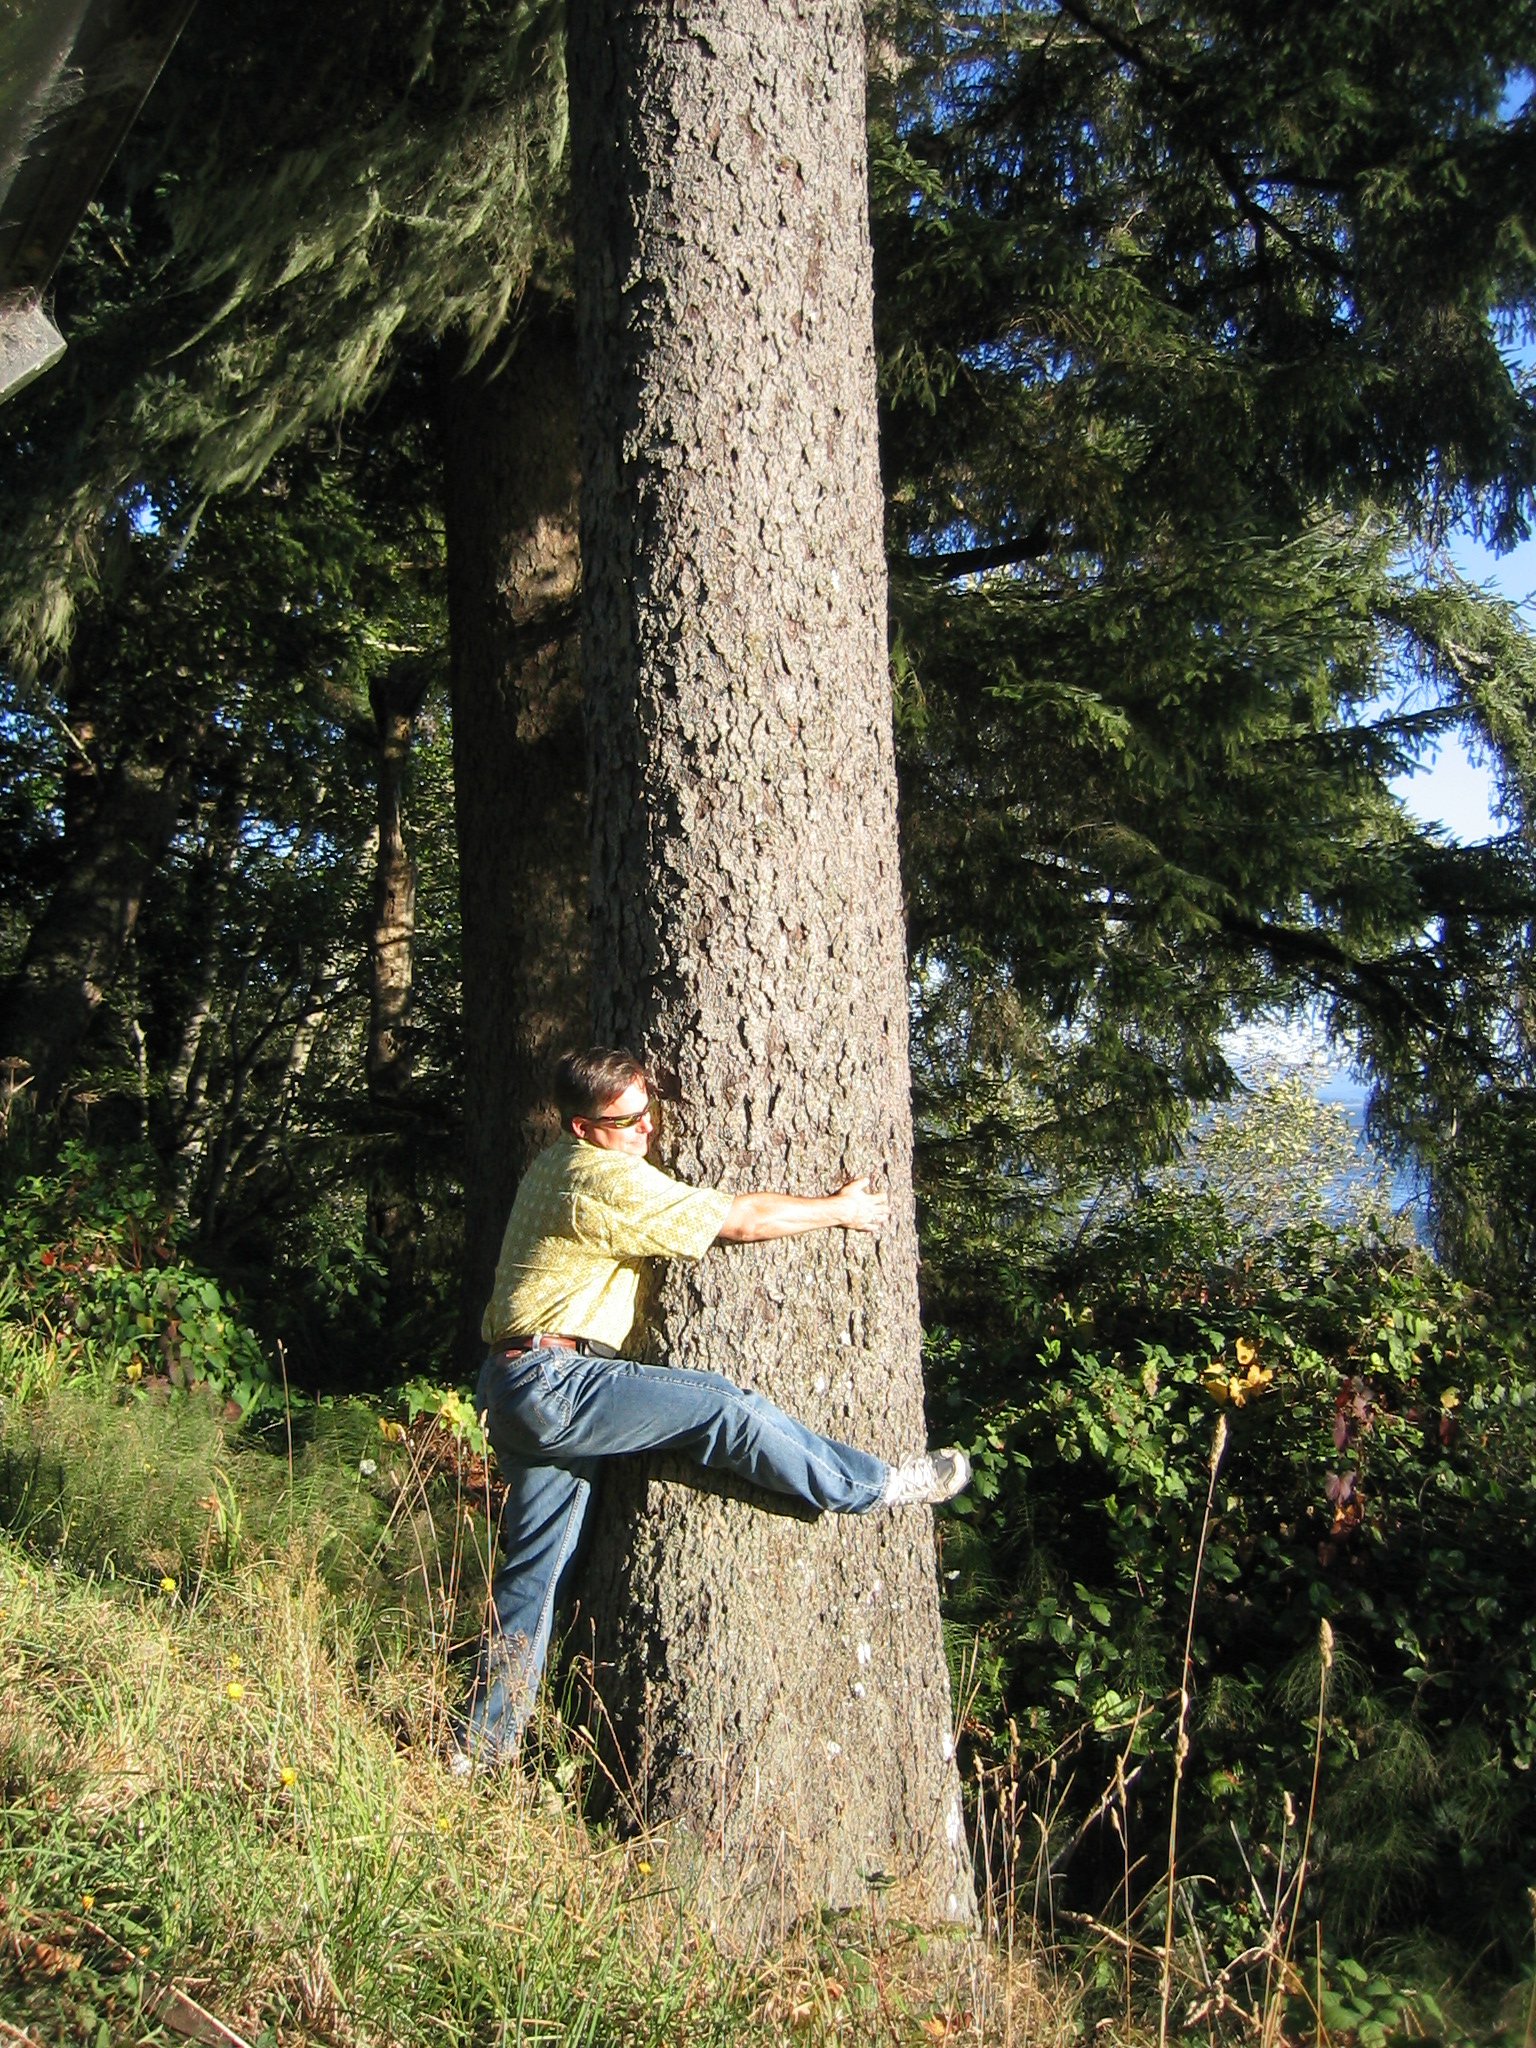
552 1416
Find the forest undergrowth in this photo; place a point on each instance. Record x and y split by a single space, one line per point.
222 1721
233 1614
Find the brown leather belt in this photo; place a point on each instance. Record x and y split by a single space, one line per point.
510 1347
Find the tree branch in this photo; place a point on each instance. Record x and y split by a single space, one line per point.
1003 554
1300 945
1223 161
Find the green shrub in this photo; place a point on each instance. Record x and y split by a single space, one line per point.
1380 1474
91 1271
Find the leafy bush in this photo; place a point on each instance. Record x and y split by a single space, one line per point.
90 1265
1380 1474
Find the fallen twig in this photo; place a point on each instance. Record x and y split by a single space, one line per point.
163 2001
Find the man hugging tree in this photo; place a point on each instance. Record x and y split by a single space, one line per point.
558 1397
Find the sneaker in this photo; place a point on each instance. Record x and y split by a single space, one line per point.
926 1480
462 1765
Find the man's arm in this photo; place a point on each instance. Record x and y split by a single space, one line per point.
752 1219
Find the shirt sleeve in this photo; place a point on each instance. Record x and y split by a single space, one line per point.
643 1213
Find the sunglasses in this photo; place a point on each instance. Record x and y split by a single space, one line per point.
625 1123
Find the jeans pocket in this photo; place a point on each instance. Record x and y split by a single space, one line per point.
523 1411
546 1396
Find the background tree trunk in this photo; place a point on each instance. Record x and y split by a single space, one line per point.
76 947
395 698
780 1685
394 1215
514 575
184 1098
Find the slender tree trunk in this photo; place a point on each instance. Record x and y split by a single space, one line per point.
519 766
137 1043
395 698
240 1151
187 1070
77 945
780 1685
394 1214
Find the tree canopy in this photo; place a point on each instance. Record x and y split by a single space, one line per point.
1194 333
304 198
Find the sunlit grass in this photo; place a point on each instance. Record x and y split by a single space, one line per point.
226 1757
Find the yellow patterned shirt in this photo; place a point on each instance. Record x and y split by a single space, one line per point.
583 1220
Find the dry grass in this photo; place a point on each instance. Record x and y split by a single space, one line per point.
243 1790
225 1684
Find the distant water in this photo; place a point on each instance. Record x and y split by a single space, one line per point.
1343 1085
1300 1046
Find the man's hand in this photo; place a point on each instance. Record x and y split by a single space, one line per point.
753 1219
865 1207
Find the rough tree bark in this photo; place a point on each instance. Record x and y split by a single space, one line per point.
780 1685
519 764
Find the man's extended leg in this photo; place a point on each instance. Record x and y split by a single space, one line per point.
575 1407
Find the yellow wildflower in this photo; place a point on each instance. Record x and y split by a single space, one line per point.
1247 1351
87 1900
234 1690
644 1866
288 1775
167 1585
1239 1387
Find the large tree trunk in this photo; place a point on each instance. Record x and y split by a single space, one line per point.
519 766
780 1684
76 947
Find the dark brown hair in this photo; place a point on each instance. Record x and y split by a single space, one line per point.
586 1082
